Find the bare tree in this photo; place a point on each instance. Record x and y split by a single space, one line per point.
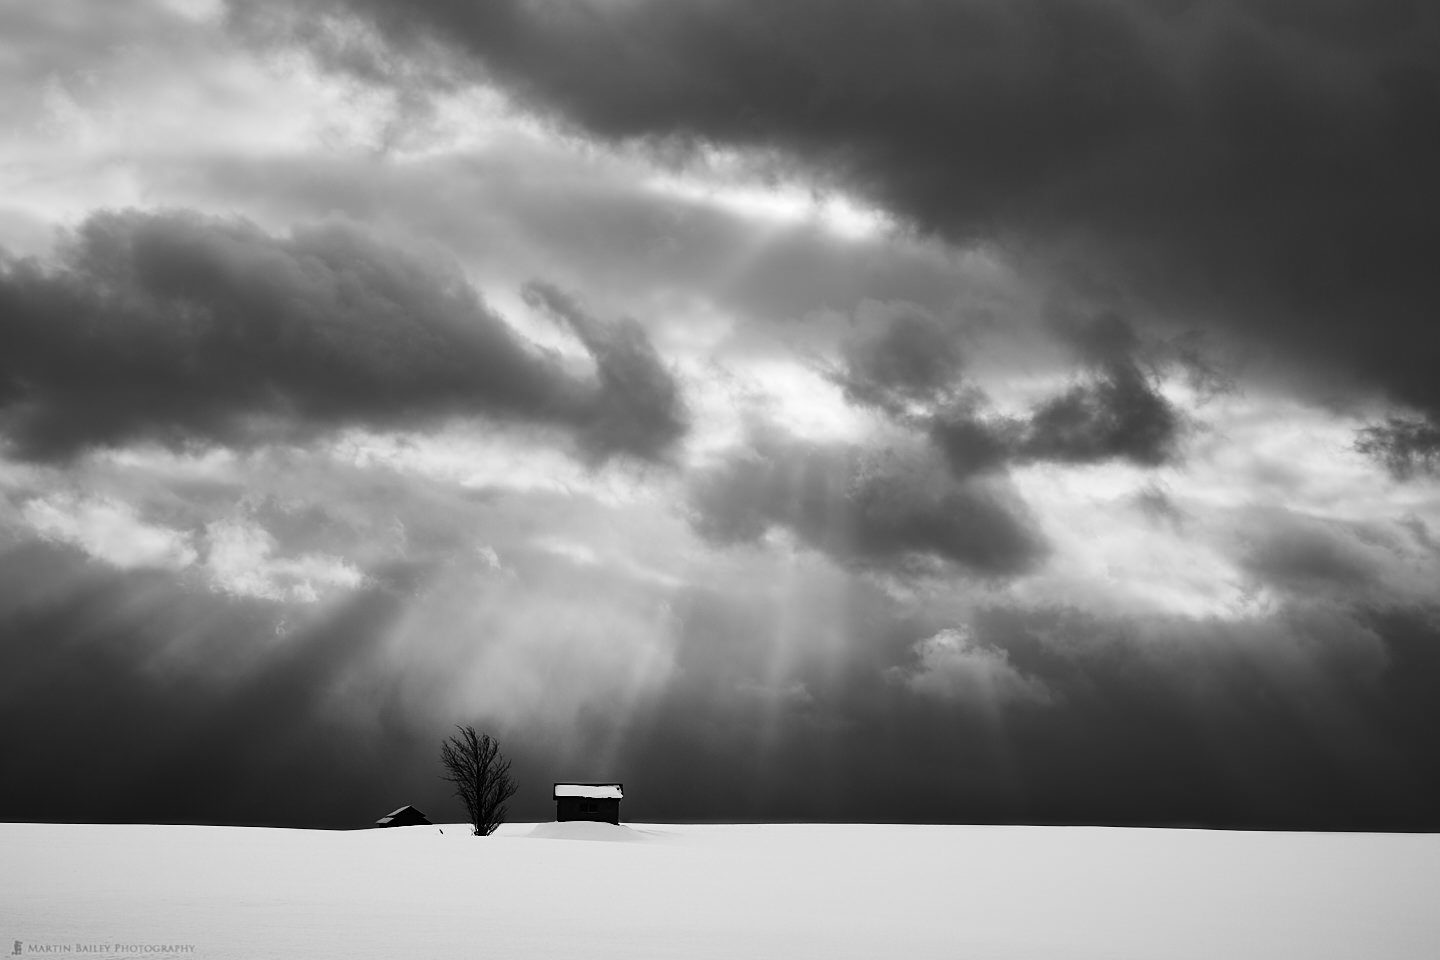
481 774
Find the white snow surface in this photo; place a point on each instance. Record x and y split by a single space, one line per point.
728 892
592 791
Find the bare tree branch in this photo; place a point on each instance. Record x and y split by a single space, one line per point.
481 774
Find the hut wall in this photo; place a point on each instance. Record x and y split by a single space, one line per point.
585 808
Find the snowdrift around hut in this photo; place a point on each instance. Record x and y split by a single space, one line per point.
587 830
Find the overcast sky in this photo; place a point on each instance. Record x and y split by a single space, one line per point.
951 410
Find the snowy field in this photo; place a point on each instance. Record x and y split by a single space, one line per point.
719 891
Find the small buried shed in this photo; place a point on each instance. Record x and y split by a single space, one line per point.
406 816
588 801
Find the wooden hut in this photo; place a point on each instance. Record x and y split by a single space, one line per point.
588 801
406 816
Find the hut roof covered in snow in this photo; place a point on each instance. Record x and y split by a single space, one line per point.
590 791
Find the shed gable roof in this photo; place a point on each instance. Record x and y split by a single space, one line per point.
406 815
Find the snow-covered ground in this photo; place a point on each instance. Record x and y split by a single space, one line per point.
730 892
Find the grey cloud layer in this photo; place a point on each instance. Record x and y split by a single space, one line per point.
1212 156
639 408
912 358
783 676
1406 446
887 512
1118 414
1318 718
912 368
1267 166
175 327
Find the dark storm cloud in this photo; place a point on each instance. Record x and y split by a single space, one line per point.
974 444
1407 447
1267 166
1310 556
873 511
1116 412
1120 416
913 358
639 408
175 327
